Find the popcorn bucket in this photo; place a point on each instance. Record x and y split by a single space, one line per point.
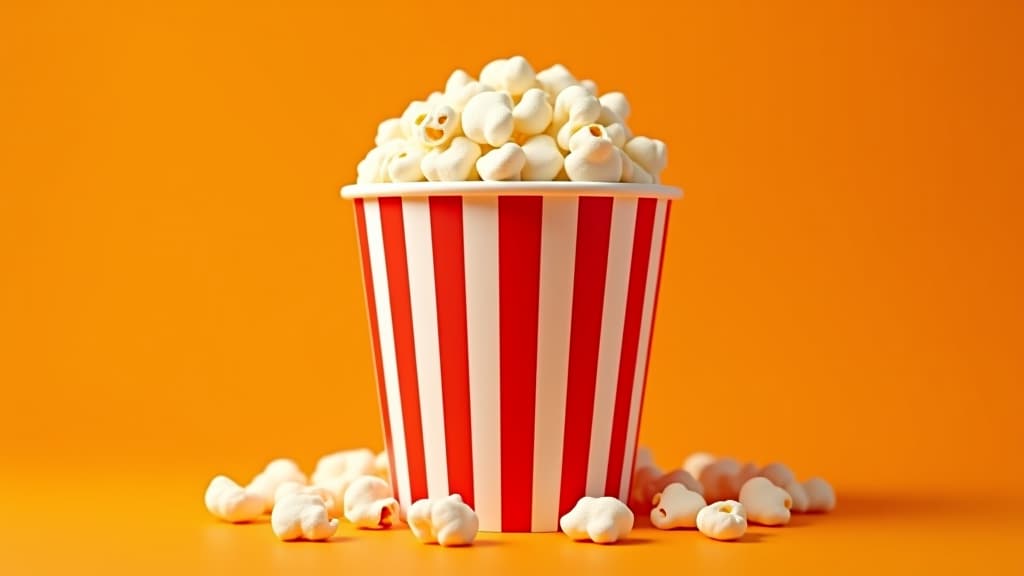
511 326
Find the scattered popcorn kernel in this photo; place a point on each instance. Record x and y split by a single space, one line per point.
820 495
678 476
616 103
555 79
532 114
696 462
369 503
504 163
778 473
351 463
289 488
276 473
388 130
446 521
302 517
765 503
640 494
720 480
228 501
543 158
487 118
725 520
602 520
798 495
595 159
650 154
748 471
676 507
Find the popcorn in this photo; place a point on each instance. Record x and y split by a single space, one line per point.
575 107
679 476
765 503
726 520
555 79
590 85
514 75
696 462
820 496
650 481
228 501
649 154
440 125
603 520
302 517
388 130
748 471
543 158
615 103
487 118
617 133
369 503
455 164
413 116
532 114
405 166
446 521
798 495
778 473
676 507
720 479
459 79
350 463
374 168
505 163
276 473
381 465
593 157
290 488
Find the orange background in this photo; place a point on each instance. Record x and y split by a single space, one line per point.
179 283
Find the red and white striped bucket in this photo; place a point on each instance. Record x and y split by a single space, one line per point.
511 327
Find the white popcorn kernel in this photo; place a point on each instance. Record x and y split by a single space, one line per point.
487 118
405 166
457 98
676 507
555 79
798 495
428 165
593 157
436 99
369 503
276 473
228 501
454 164
440 125
820 495
382 465
532 114
590 85
543 158
513 75
446 521
302 517
413 117
765 503
616 103
289 488
374 168
351 463
458 79
617 133
696 462
748 471
778 473
388 130
679 476
720 480
602 520
627 166
725 520
504 163
650 154
640 494
574 108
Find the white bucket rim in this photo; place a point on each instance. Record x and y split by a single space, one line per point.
520 188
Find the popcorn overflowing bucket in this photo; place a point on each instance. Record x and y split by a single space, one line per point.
511 326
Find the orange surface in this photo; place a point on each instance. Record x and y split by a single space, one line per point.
179 289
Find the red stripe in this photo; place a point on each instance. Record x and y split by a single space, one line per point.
630 340
650 337
519 234
371 307
450 285
405 347
592 235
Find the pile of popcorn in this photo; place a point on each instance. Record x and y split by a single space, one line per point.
514 124
353 485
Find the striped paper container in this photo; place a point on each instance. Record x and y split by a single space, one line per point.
511 327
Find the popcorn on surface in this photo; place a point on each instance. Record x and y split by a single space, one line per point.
446 521
302 517
603 520
511 103
725 520
765 503
228 501
369 503
676 507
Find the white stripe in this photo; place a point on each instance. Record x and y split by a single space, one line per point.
385 331
646 321
613 317
480 230
557 263
423 301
